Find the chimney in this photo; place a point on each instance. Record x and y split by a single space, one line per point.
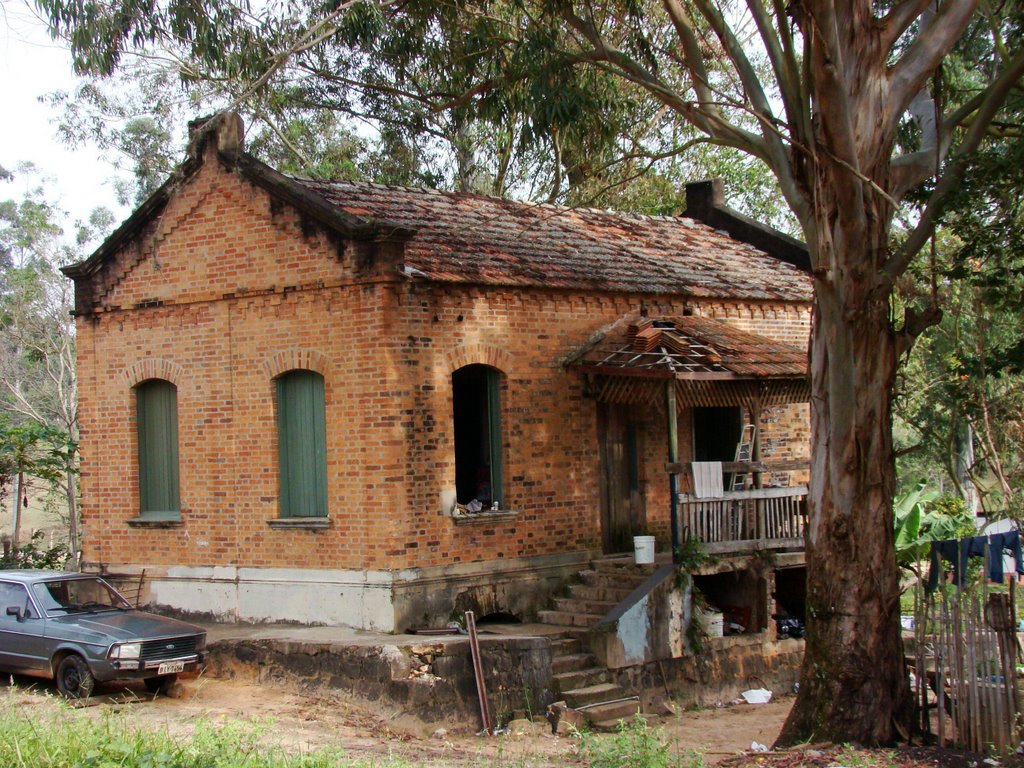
702 197
225 128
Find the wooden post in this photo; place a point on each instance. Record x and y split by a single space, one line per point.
755 449
673 457
478 673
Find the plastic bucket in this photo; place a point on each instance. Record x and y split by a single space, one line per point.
643 549
715 624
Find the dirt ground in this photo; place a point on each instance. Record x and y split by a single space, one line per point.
298 721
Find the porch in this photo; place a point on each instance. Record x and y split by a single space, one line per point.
688 366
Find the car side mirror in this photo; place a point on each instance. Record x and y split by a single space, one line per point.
13 610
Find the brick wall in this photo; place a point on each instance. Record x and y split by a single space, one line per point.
226 291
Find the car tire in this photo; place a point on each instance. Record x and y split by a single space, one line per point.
74 678
160 684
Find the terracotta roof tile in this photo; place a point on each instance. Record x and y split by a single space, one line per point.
466 238
694 347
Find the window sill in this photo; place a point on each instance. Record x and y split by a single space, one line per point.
302 523
486 517
155 522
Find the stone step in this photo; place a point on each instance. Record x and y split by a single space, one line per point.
570 662
603 579
576 679
604 593
566 646
622 566
608 717
593 694
575 605
568 619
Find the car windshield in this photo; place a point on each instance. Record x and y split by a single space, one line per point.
66 596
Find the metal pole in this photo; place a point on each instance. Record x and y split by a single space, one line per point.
673 457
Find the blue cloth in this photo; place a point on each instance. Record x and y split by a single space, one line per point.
958 552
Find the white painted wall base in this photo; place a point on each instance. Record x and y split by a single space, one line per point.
359 599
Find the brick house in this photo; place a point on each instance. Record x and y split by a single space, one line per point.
294 394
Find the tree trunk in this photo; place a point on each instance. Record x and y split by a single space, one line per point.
853 685
19 493
69 480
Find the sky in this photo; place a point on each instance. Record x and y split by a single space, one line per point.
31 65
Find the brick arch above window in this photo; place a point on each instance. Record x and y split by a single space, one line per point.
479 354
154 368
296 359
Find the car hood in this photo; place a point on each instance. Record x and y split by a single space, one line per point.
129 625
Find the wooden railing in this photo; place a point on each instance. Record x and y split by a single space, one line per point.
762 518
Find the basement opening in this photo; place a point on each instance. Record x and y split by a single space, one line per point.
740 596
790 598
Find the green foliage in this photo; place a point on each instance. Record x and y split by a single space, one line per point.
53 735
36 556
474 98
634 745
923 516
691 555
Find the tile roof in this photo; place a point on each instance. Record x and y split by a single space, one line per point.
465 238
693 347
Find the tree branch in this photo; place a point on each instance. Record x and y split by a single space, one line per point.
995 95
914 68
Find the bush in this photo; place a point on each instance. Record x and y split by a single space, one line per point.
32 555
635 745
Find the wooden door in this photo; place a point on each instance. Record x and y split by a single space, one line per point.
622 504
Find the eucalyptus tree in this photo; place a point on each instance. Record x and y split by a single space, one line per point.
823 94
407 90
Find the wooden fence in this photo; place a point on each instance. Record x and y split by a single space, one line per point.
965 665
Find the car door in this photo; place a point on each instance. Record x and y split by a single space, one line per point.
22 647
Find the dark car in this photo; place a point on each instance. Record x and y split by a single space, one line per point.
78 630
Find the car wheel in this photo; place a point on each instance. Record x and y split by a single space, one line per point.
74 678
160 684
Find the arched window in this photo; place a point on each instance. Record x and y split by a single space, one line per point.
156 411
302 444
476 398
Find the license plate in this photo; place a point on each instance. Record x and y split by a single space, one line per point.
170 667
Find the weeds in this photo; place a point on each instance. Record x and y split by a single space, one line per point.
635 745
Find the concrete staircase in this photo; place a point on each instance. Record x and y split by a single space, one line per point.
582 682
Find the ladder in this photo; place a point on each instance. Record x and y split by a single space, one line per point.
744 452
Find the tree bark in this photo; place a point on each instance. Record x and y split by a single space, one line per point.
19 493
854 687
69 480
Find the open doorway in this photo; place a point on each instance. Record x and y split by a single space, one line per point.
716 433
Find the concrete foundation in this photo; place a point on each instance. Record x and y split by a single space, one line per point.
382 601
430 679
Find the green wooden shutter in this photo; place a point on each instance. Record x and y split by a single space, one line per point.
494 434
157 424
302 444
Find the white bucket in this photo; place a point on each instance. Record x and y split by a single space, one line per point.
643 549
715 624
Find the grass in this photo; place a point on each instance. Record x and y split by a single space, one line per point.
47 733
